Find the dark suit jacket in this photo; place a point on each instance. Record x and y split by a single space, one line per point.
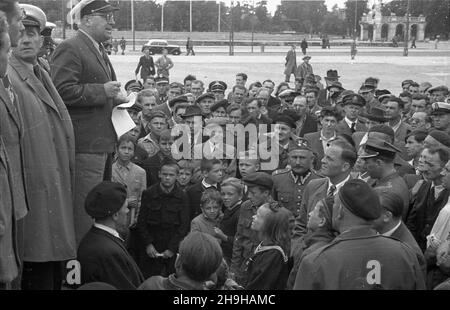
342 127
400 136
316 145
323 97
146 66
79 72
103 258
310 125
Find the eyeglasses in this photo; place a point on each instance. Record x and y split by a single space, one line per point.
108 17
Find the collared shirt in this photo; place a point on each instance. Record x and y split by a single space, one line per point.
148 144
338 186
108 230
325 141
390 232
207 185
96 44
349 122
396 126
437 189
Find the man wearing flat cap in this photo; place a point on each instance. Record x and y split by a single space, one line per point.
86 81
246 240
205 102
440 113
438 93
359 258
352 105
378 156
102 253
367 91
49 152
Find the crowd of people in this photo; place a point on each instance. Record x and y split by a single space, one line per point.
355 192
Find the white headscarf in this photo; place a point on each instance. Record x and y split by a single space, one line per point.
441 227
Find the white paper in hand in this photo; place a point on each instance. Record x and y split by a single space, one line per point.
120 118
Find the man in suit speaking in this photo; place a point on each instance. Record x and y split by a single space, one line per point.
86 81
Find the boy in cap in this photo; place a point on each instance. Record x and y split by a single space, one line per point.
246 240
156 123
102 253
359 258
162 222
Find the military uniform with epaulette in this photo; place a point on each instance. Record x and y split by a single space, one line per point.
288 188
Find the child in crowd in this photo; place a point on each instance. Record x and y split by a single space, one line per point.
209 220
129 174
268 266
186 173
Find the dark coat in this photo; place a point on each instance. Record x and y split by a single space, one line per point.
163 218
228 225
291 62
424 212
147 67
309 126
49 162
152 165
11 131
316 145
79 73
344 264
103 258
267 270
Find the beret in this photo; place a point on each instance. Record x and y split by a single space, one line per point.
258 179
34 16
440 108
441 137
285 119
205 96
105 199
366 206
220 104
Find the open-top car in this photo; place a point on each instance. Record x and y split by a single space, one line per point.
156 47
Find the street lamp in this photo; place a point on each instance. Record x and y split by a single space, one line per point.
232 29
405 49
356 17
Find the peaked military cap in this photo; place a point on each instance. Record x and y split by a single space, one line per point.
376 147
353 99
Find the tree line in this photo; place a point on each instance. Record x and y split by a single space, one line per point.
308 17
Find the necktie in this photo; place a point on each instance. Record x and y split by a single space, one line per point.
105 57
331 191
353 127
37 72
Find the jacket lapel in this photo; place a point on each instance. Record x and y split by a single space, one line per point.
94 50
13 112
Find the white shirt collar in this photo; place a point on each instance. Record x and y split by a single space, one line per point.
207 185
349 122
390 232
339 185
396 127
108 230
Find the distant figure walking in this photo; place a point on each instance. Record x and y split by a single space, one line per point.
163 64
353 49
115 46
145 65
413 42
304 69
189 47
436 41
123 44
291 64
304 46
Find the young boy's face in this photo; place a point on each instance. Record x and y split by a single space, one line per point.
184 177
168 176
166 146
215 175
211 210
125 151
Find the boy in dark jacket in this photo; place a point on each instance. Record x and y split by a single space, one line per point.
162 223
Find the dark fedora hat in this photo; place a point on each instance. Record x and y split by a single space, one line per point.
332 75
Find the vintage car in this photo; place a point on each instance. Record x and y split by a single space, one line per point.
156 47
